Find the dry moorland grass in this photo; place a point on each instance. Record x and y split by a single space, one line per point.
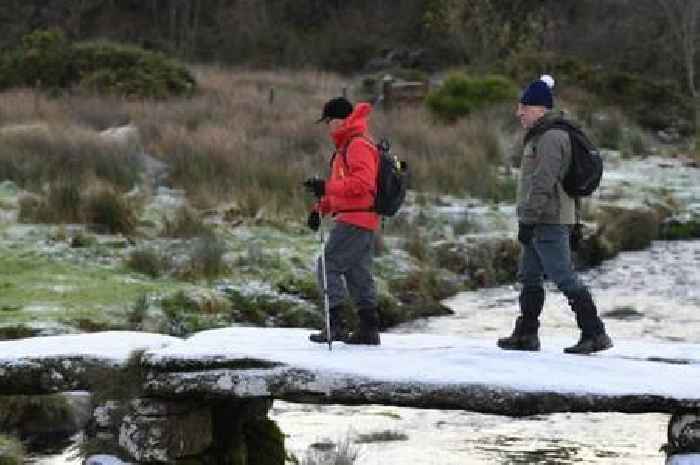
246 137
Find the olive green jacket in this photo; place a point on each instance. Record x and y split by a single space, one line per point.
546 158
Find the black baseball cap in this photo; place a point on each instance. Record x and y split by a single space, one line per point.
336 108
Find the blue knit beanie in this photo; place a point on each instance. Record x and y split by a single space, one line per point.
539 93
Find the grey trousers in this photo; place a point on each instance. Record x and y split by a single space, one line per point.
349 252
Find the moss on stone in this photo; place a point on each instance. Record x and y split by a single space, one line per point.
265 443
35 414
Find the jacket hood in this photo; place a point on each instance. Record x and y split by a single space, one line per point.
354 125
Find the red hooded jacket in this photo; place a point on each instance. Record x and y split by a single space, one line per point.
352 184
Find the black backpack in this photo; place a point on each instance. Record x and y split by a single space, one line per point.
392 179
586 169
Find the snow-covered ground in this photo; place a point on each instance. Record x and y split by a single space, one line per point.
112 346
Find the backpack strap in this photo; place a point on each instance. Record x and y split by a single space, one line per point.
344 154
344 151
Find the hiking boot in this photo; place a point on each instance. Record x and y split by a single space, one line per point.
590 344
368 330
587 318
520 342
524 335
339 331
521 339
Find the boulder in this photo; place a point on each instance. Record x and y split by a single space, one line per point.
162 431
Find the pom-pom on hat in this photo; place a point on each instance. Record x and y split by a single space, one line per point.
539 93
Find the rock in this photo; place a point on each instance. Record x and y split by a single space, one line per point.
127 137
628 228
162 431
42 418
486 262
684 434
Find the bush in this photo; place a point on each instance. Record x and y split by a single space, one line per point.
185 224
461 95
47 59
206 258
148 261
107 208
127 70
61 204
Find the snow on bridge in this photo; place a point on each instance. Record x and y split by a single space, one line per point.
407 369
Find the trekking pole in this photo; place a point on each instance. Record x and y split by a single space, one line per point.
325 287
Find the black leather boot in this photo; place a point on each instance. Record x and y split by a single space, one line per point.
368 330
590 344
524 336
520 340
593 337
339 330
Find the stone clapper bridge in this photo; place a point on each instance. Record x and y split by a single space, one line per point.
225 371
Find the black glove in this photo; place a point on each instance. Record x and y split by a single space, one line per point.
575 237
525 233
316 186
314 220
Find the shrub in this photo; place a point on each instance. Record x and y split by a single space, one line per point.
461 95
61 204
49 60
127 70
206 258
185 224
608 130
107 208
148 261
343 453
45 60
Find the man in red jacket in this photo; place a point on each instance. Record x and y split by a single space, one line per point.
348 195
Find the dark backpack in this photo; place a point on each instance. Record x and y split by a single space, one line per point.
392 179
586 169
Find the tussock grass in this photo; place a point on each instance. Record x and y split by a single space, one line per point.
245 137
67 201
149 261
32 155
459 158
185 223
342 453
206 258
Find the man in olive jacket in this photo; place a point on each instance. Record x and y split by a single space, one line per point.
545 216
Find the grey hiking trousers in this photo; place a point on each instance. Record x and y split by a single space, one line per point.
349 252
